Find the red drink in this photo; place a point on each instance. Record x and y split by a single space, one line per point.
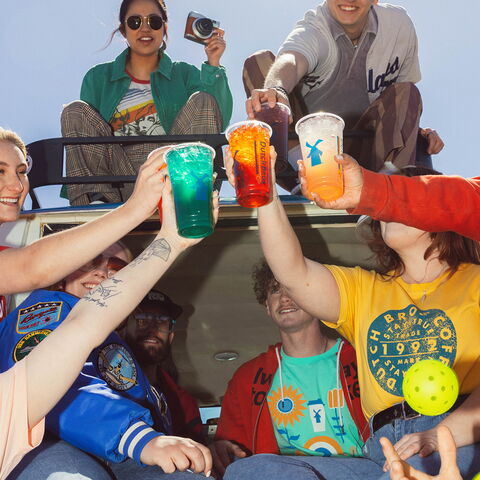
277 118
250 147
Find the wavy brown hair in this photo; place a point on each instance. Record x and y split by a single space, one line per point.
452 248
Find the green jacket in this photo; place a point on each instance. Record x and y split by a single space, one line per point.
172 84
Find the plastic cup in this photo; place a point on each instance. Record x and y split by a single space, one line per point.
250 147
277 117
321 138
190 166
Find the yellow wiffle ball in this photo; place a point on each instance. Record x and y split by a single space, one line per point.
430 387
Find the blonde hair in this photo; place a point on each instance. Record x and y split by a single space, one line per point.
12 137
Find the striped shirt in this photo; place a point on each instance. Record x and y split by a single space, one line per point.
136 114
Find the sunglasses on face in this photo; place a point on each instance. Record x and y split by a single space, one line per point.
164 323
114 265
155 22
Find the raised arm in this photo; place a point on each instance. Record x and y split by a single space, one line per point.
112 301
309 283
286 72
432 203
52 258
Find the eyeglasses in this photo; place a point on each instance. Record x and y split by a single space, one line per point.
155 22
164 323
113 264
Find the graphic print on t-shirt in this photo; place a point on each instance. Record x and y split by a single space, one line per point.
136 114
286 410
399 338
312 417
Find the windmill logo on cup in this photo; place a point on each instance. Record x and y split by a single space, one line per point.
321 138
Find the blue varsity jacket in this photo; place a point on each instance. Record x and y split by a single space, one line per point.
111 410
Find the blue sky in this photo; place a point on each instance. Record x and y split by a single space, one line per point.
48 46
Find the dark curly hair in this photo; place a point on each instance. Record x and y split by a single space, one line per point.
452 248
263 281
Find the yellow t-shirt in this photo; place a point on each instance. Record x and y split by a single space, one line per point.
393 324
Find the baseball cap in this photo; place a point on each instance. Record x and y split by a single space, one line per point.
155 298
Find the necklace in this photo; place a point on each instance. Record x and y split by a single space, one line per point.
424 296
355 42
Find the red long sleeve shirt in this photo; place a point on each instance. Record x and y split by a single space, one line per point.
433 203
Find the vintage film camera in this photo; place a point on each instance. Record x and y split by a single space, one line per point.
200 28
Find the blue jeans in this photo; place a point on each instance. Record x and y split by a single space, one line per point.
130 470
468 457
283 467
58 460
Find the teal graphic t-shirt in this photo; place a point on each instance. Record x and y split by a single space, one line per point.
312 418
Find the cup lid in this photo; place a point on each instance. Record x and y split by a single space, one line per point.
251 123
190 144
160 149
281 105
319 114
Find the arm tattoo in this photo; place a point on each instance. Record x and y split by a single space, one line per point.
109 288
159 248
103 292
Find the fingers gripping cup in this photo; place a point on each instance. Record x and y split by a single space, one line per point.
190 166
321 138
250 147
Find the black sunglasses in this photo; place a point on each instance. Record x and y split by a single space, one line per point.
155 22
164 323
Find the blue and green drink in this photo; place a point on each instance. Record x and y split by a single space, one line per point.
190 166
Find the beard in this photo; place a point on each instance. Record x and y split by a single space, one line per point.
149 354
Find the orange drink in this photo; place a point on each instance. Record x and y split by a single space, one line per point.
321 138
250 147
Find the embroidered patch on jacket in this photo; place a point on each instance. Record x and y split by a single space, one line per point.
27 343
38 316
117 367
